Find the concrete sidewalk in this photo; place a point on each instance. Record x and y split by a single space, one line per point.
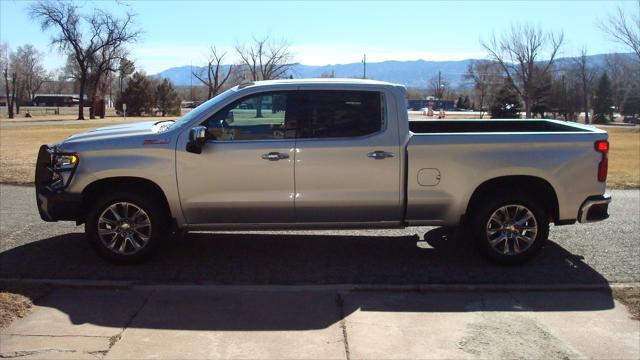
217 322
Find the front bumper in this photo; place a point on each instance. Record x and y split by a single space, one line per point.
53 202
595 208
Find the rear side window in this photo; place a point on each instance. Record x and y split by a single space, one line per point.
337 114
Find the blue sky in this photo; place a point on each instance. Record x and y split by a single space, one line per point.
328 32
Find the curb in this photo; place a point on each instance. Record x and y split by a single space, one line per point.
126 284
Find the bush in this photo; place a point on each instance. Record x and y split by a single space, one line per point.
506 104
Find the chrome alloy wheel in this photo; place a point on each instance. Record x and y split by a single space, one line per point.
511 229
124 228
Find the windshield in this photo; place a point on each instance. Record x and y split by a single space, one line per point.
201 109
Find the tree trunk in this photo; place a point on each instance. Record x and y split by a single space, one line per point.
83 79
527 107
8 94
92 110
586 105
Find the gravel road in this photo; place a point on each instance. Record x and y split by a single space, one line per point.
608 251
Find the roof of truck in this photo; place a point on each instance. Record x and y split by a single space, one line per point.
334 81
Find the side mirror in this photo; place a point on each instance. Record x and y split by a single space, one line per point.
197 139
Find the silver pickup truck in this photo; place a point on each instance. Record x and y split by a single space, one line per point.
323 154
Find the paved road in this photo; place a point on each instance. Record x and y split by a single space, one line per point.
592 253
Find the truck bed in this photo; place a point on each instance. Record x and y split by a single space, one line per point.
448 159
494 126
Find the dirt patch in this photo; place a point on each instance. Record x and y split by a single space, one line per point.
511 336
16 302
630 296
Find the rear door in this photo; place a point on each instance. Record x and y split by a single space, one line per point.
347 163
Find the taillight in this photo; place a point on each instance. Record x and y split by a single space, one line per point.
602 147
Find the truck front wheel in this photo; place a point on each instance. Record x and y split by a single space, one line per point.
510 228
125 228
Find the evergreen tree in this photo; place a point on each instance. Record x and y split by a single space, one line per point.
603 100
167 98
466 104
460 103
139 95
631 105
506 104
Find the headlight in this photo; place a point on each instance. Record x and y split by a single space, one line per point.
65 161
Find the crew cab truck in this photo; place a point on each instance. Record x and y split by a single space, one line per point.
323 154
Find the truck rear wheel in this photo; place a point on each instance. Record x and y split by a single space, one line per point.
126 228
510 228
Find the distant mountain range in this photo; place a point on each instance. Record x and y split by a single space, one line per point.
409 73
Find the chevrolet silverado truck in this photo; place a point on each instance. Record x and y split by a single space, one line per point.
323 154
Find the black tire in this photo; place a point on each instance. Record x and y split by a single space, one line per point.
509 201
157 232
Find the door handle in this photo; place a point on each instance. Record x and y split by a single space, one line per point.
275 156
379 155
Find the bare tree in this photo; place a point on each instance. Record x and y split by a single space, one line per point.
265 59
624 72
30 74
9 85
625 29
85 37
216 77
522 56
438 86
101 65
586 74
486 76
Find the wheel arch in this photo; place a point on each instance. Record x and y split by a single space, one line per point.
122 183
537 186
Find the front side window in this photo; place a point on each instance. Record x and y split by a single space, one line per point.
337 114
256 117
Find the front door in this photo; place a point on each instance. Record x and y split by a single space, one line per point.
245 173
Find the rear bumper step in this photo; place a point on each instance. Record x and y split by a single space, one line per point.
595 208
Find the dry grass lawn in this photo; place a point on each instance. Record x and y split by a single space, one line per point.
19 148
624 158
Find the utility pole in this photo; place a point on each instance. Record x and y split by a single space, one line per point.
364 63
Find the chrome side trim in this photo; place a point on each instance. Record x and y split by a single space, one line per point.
588 204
